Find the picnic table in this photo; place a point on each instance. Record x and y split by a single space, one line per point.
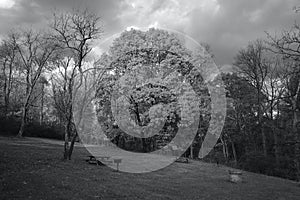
103 160
99 160
182 160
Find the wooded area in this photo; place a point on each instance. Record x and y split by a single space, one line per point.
43 71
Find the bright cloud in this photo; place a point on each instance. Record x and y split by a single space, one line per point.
132 27
6 4
169 13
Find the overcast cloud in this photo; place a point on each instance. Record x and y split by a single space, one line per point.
226 25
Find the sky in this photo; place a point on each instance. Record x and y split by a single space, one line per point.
226 25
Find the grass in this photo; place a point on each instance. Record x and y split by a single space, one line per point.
32 168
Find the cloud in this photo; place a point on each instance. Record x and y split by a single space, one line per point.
238 22
161 13
226 25
6 4
132 27
38 12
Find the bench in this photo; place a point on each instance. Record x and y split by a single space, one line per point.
92 160
182 160
100 160
103 160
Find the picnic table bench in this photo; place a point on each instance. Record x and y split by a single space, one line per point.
182 160
99 160
103 160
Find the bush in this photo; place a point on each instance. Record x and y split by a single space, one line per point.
44 131
10 127
257 163
286 168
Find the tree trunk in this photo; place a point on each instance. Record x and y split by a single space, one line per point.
6 104
42 106
139 122
297 139
22 126
297 151
68 133
72 144
259 115
23 119
5 88
234 153
29 89
263 136
66 145
276 130
191 153
224 149
264 142
144 145
276 150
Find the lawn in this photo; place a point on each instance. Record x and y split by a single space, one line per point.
32 168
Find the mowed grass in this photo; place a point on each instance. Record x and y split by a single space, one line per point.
33 169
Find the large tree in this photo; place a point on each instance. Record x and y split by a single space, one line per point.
9 61
254 66
147 67
287 45
240 115
74 32
35 50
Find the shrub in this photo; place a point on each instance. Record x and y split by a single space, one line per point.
45 131
10 127
256 162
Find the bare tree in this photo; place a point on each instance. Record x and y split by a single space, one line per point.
35 50
288 46
293 97
253 66
8 57
62 86
75 31
43 81
274 89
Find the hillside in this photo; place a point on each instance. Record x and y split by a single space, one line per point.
32 168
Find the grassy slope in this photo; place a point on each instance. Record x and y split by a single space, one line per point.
31 169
